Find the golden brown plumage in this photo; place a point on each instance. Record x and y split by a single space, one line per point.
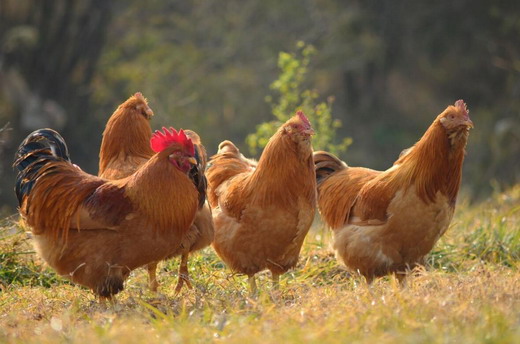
126 139
263 211
388 221
95 231
125 147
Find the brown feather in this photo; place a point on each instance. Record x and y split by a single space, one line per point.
326 164
432 165
109 205
128 224
280 173
51 205
388 221
95 231
126 147
158 175
338 193
262 211
126 136
224 166
277 178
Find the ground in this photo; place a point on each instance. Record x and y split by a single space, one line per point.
468 292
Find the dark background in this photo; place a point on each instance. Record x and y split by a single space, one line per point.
392 66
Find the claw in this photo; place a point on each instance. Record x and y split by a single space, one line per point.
183 274
107 301
183 278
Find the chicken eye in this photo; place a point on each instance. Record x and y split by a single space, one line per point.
452 117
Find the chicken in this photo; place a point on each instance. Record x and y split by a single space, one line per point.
95 231
201 232
386 222
125 147
126 140
262 212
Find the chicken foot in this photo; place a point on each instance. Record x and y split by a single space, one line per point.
183 274
106 301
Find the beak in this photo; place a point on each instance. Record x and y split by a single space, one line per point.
308 132
192 160
469 123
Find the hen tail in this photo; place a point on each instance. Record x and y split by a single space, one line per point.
326 164
39 148
226 164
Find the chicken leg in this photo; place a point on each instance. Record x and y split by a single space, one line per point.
152 276
252 285
276 280
183 274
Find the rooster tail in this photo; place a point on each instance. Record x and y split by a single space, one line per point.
197 173
326 164
40 147
113 284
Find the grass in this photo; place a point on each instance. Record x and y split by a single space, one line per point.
468 293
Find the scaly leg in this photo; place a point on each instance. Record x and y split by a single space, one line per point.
152 276
276 280
252 285
183 274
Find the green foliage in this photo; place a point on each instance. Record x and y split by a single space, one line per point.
489 232
290 96
18 263
392 69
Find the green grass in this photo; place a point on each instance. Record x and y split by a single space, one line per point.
18 263
468 293
489 232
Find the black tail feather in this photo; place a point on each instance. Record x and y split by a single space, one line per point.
197 175
40 147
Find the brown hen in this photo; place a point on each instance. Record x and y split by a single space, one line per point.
262 212
388 221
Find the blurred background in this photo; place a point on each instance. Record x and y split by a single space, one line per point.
390 66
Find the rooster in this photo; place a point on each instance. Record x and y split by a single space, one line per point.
94 231
125 148
386 222
262 212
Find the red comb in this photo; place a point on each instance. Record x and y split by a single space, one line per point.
461 106
303 118
162 140
139 96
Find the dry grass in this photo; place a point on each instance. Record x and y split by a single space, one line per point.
469 293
